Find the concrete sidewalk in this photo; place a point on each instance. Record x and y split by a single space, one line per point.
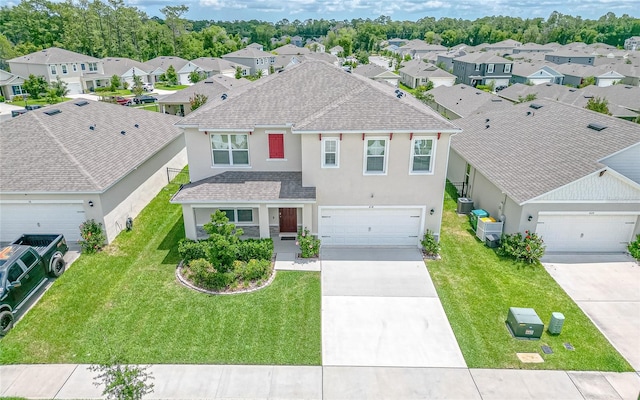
70 381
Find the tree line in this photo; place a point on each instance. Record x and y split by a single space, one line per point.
113 29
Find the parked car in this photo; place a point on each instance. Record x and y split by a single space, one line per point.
123 101
33 106
145 98
24 267
148 87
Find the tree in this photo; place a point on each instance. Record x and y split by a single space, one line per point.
195 77
115 83
171 76
238 72
527 98
137 85
35 86
197 100
175 22
598 104
589 80
59 87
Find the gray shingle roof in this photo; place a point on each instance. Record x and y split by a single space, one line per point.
164 62
120 65
246 186
248 52
53 55
212 87
216 64
60 153
291 50
315 96
527 156
466 100
424 69
482 58
370 70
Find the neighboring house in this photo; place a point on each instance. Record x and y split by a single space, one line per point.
161 64
210 66
633 43
11 85
461 101
608 78
377 73
336 51
482 69
535 73
256 60
326 57
86 160
297 41
446 59
125 69
315 46
529 48
417 73
503 47
397 42
285 61
291 50
256 46
568 174
417 48
570 57
347 157
575 74
73 68
215 86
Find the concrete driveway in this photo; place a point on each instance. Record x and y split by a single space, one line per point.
380 308
607 289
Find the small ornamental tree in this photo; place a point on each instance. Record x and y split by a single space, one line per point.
529 248
115 83
35 86
195 77
60 87
598 104
197 100
137 85
309 244
238 72
93 236
171 76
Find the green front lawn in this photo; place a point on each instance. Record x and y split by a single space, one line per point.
170 87
42 102
477 287
151 107
128 299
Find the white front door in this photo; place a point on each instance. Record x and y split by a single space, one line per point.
586 233
19 218
370 226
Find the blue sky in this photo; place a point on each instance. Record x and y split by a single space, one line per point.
398 10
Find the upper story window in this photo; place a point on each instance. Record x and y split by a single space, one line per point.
422 156
244 72
477 67
82 67
276 145
93 66
64 68
490 68
230 149
54 71
330 152
375 161
507 68
75 67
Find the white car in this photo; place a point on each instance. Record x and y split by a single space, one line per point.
147 87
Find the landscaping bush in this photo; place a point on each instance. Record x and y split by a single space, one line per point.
192 249
429 244
257 269
221 252
202 273
258 249
529 248
93 237
634 248
309 244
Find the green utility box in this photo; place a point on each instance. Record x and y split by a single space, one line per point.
524 323
474 215
555 325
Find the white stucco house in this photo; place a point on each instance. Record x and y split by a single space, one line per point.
348 158
64 164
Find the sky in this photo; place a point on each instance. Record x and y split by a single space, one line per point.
398 10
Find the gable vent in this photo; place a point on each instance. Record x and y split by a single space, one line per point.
596 127
81 103
535 106
52 112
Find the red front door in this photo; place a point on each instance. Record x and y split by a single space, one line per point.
288 220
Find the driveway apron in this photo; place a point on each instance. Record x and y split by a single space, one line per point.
380 309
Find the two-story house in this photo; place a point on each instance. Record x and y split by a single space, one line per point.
570 57
256 60
415 73
633 43
481 69
353 160
73 68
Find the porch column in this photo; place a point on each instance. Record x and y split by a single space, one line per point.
307 217
263 221
189 222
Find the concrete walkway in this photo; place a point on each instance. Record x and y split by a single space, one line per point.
69 381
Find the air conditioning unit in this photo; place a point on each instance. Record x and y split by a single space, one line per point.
465 205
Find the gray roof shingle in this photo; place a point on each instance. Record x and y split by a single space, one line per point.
60 153
246 186
315 96
53 55
527 156
212 87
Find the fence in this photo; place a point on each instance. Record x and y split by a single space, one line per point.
177 176
461 187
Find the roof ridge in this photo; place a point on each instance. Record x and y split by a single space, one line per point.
66 152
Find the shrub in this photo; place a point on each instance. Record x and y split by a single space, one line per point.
1 99
429 244
203 274
221 252
309 244
92 236
634 248
258 249
192 250
529 248
257 269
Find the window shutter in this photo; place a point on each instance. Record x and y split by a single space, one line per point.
276 145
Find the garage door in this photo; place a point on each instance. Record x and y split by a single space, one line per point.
16 219
586 233
370 226
74 88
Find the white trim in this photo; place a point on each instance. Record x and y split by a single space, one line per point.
385 159
230 151
380 132
41 201
490 68
506 70
323 152
610 213
275 159
432 155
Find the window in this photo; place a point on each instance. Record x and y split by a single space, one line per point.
28 259
507 68
239 215
82 67
64 69
230 149
490 68
53 70
421 155
75 67
244 72
376 154
14 273
276 145
16 89
93 67
330 155
477 67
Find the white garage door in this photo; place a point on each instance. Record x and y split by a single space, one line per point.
16 219
74 88
586 233
370 226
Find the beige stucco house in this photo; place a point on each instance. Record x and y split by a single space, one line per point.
569 174
79 160
355 161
